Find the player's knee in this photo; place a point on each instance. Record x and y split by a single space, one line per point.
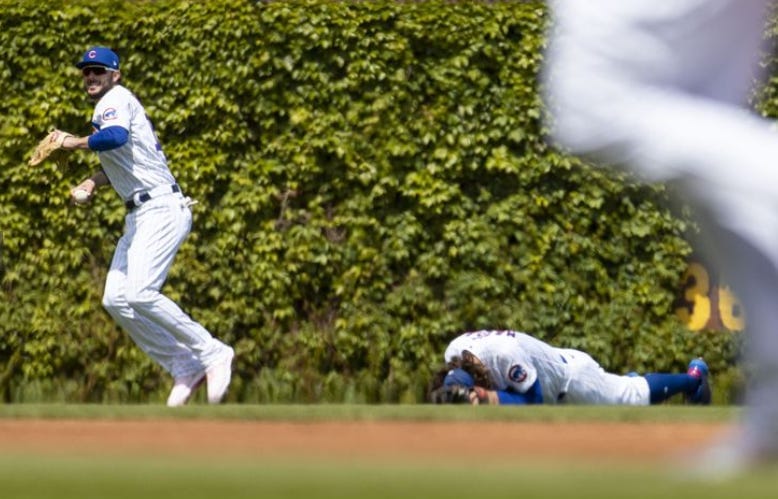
139 299
113 302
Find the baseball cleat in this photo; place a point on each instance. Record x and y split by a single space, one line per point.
699 369
183 388
218 377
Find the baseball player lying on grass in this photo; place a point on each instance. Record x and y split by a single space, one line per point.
509 367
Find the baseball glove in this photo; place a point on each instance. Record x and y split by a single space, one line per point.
50 143
451 394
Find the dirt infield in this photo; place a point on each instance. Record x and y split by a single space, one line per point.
635 442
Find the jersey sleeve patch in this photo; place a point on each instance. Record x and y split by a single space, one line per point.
517 373
110 114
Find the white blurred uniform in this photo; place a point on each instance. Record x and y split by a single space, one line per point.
516 361
661 87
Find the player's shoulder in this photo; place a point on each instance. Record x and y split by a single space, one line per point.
115 106
117 95
125 93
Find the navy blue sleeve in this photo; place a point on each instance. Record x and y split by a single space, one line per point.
108 138
513 398
532 396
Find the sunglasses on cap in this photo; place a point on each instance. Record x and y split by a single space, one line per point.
95 70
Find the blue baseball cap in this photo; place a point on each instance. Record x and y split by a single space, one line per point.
99 56
459 376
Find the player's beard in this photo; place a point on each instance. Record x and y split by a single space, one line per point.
96 88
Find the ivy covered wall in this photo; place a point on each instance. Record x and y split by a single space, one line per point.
372 179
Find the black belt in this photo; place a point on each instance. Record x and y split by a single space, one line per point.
138 199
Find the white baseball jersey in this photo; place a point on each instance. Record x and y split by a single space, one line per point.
516 361
139 165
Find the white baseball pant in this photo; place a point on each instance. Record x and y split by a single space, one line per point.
152 235
590 384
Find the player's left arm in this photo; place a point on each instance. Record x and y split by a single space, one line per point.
103 140
72 143
482 396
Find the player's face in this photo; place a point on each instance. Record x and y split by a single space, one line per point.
98 80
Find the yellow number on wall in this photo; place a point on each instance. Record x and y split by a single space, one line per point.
730 310
696 310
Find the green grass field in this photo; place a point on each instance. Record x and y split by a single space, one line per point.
155 478
33 475
398 412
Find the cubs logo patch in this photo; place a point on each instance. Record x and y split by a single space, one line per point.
92 54
109 114
517 374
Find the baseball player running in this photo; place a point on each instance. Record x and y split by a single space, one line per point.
510 367
158 220
662 88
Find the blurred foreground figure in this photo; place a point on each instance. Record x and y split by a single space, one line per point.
661 88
